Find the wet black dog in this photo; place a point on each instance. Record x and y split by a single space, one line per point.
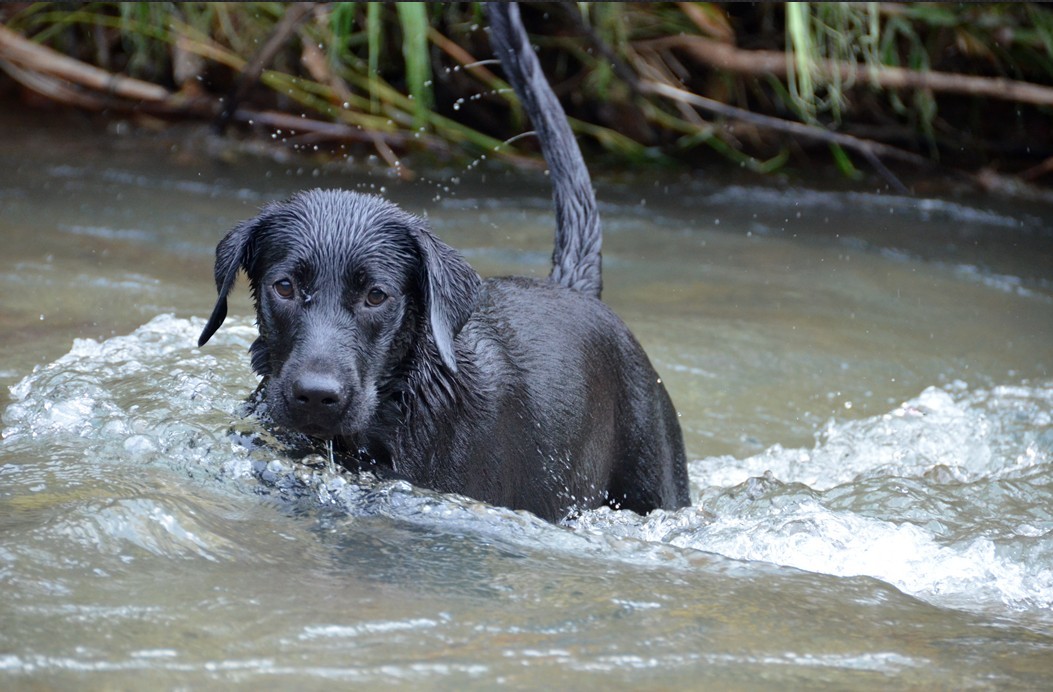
522 393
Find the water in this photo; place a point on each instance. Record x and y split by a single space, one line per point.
863 380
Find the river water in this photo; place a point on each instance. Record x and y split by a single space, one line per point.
864 383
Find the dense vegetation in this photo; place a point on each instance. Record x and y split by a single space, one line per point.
862 85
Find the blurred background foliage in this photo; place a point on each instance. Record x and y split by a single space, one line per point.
968 85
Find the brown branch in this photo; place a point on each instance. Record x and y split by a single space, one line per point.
465 59
56 89
708 22
285 27
34 57
1038 171
324 129
869 149
764 62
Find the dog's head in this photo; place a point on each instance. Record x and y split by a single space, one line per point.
348 288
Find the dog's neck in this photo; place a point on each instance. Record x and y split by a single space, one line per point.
416 418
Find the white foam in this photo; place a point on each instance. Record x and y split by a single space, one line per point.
945 497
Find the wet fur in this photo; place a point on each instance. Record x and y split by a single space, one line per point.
523 393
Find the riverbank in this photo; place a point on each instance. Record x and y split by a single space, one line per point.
884 93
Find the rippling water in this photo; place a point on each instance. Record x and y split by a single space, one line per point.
864 383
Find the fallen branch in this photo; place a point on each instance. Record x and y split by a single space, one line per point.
1038 171
34 57
764 62
56 89
869 149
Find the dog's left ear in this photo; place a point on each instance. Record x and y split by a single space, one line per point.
234 252
451 289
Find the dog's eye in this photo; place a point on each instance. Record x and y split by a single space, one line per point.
375 297
284 288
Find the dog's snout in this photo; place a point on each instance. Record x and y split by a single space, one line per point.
318 393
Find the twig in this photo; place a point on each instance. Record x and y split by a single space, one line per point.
318 67
1039 170
869 149
609 55
295 14
465 59
765 62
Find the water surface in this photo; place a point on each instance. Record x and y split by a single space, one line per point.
863 381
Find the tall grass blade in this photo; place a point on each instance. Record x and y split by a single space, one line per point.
413 19
373 34
803 58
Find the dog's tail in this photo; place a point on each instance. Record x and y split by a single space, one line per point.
576 261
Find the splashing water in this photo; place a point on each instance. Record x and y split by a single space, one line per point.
945 497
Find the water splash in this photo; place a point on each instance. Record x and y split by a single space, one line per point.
946 496
331 467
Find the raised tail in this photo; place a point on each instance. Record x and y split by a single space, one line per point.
576 261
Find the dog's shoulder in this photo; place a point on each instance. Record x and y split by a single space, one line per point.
537 322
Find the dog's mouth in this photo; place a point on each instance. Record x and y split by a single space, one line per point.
320 427
321 424
319 432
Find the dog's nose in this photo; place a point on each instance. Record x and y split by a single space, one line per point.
318 393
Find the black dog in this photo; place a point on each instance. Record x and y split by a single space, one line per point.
522 393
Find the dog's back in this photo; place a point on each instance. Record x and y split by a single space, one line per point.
601 424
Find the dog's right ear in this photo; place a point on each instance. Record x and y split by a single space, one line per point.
451 290
234 252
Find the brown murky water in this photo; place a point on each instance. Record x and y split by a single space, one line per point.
863 380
